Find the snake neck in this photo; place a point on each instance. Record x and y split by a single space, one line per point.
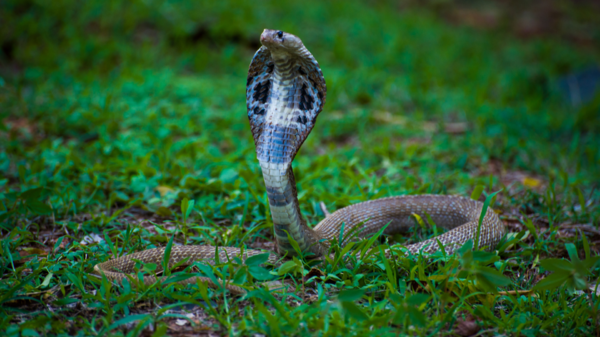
285 210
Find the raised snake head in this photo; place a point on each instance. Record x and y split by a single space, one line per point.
281 45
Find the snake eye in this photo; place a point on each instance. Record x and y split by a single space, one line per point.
280 34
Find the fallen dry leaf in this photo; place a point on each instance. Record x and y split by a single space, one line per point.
466 327
314 272
456 128
163 190
531 182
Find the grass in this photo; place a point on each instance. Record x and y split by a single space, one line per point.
115 116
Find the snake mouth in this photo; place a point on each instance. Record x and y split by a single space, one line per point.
270 37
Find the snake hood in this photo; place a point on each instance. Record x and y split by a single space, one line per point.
285 93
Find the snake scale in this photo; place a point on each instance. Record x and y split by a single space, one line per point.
285 93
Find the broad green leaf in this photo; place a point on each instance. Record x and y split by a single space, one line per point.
286 267
38 207
184 207
150 267
161 330
58 243
354 311
416 317
350 295
164 212
477 192
260 273
400 315
32 194
257 260
417 299
552 281
189 209
240 276
591 262
485 257
466 248
572 252
557 265
490 278
483 312
47 280
208 271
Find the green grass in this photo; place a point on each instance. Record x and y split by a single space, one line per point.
114 114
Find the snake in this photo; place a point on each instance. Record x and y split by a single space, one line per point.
285 92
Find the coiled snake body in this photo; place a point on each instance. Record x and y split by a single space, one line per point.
285 93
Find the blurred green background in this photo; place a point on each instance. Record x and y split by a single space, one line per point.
113 112
114 88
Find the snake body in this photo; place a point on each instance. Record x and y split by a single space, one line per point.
285 93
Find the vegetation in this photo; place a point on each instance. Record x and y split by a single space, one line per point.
117 115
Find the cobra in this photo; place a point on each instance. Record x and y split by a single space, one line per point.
285 93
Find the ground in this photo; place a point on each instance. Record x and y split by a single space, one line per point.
124 128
